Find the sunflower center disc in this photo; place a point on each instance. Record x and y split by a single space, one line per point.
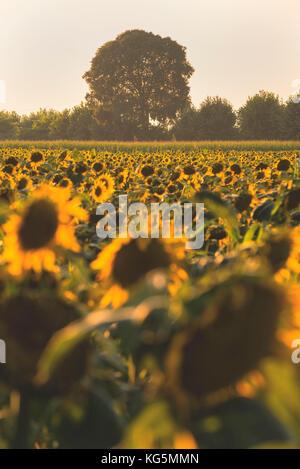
39 225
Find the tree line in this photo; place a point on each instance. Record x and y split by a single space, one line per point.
139 90
263 117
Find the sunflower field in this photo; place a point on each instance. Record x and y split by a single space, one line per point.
141 343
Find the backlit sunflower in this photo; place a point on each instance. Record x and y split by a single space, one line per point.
99 192
124 262
225 342
108 182
47 221
23 182
36 158
122 178
27 324
65 183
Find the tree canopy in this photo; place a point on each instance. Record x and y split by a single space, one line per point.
214 120
262 117
138 79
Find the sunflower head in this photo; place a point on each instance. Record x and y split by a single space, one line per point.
57 178
277 250
47 221
27 324
147 170
127 261
235 168
81 168
108 183
189 170
135 259
283 165
23 183
8 169
99 192
98 167
39 225
12 160
226 342
65 183
36 158
243 201
217 168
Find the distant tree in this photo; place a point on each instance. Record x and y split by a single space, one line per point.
59 126
82 123
137 79
292 120
78 123
187 126
216 119
262 117
9 125
37 125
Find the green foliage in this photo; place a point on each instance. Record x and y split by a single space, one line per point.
153 147
9 122
137 79
214 120
292 120
220 209
220 426
262 117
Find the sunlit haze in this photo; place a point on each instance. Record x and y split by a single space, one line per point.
236 47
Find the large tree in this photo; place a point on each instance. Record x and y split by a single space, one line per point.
262 117
138 79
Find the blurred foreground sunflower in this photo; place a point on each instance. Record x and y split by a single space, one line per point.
26 324
124 262
225 342
47 221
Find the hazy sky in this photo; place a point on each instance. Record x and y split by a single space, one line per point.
237 47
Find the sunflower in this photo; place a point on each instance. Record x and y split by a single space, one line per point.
128 260
189 170
46 222
225 342
283 165
36 158
65 183
98 167
27 324
146 171
122 178
243 201
99 192
125 262
23 182
109 183
277 250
